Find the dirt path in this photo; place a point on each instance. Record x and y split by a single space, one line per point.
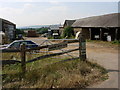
108 58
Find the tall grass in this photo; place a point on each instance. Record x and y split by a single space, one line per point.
116 42
17 56
104 42
49 74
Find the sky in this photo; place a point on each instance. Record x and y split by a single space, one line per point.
29 12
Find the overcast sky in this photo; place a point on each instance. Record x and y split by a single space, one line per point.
52 12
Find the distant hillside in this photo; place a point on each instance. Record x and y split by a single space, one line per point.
35 26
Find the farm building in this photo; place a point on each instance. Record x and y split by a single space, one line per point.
104 27
32 33
66 23
53 31
8 30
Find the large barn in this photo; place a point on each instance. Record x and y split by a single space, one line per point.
102 27
7 30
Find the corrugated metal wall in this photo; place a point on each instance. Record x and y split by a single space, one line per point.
0 24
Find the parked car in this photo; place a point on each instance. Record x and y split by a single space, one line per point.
16 44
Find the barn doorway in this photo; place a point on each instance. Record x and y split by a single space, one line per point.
95 34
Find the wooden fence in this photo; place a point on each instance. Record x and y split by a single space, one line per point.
23 50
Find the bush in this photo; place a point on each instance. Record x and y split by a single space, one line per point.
19 31
115 42
68 32
42 30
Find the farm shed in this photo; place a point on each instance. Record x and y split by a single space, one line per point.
66 23
99 27
32 33
53 31
9 29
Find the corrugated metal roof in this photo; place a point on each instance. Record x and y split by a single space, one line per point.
6 21
108 20
54 27
69 22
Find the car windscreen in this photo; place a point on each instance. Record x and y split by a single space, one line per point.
15 45
28 43
31 43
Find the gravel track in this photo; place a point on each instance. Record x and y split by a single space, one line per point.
108 58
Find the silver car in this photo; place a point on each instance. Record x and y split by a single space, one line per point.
16 44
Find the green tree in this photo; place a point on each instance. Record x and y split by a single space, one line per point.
19 31
68 31
42 30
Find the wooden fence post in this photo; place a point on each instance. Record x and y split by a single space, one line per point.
23 58
82 48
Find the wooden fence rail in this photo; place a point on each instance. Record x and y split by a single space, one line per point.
51 55
10 51
23 50
26 50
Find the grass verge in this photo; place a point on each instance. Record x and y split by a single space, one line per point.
116 42
112 44
44 74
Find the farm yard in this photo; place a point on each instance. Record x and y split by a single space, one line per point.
52 45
